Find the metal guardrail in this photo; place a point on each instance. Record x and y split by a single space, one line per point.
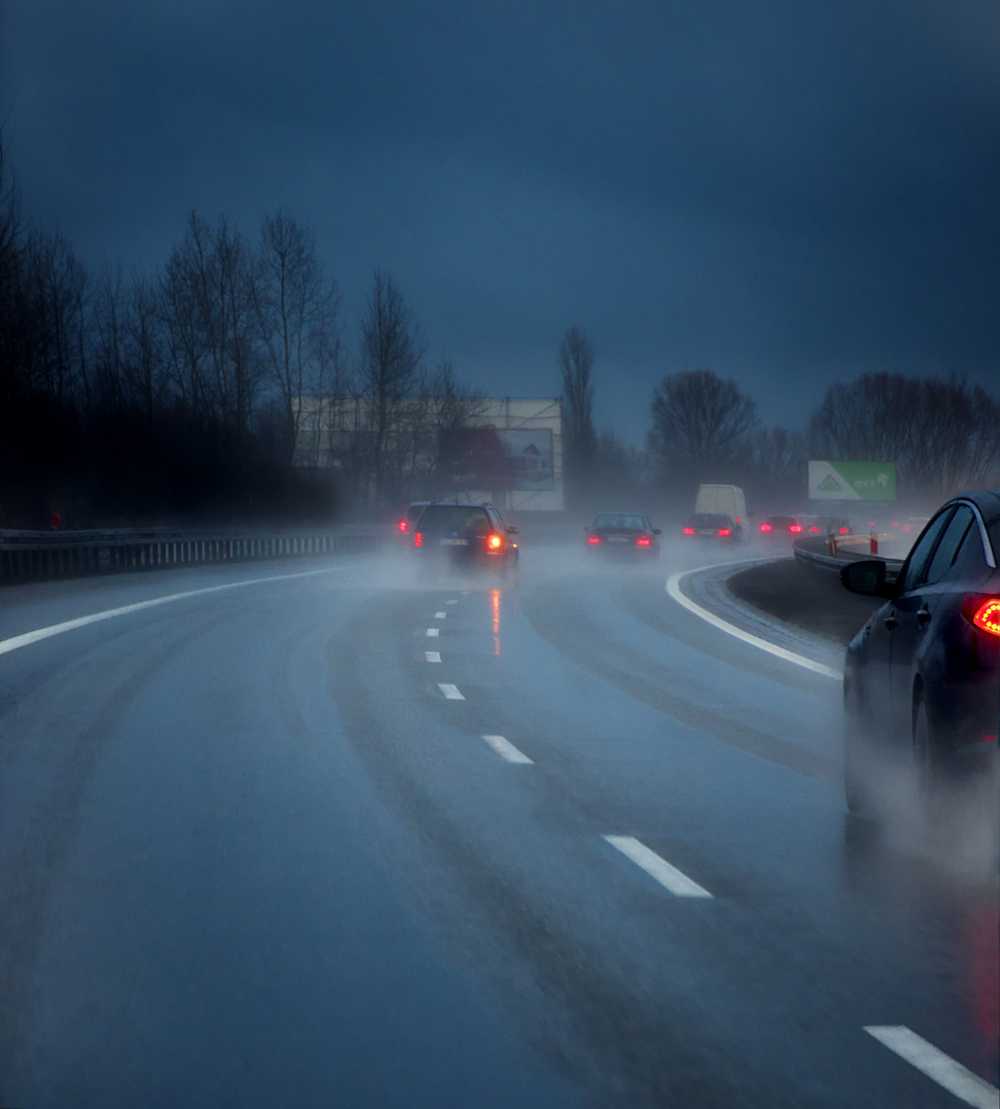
40 556
814 551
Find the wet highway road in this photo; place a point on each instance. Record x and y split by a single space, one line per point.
344 838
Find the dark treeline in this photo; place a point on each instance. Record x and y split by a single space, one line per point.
942 433
218 388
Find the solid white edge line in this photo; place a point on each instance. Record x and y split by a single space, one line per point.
432 656
27 638
506 750
451 692
440 615
673 587
668 876
432 633
933 1062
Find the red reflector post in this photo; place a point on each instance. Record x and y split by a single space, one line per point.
418 539
987 616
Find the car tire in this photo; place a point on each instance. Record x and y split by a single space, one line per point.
926 764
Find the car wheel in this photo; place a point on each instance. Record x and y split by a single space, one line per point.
927 771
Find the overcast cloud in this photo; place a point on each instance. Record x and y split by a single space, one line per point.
787 193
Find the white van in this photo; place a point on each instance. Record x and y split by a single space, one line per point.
724 500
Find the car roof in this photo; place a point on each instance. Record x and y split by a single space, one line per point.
986 500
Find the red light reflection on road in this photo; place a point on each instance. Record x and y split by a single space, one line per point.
982 930
495 619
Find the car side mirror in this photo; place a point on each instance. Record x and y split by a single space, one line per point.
657 531
511 530
867 577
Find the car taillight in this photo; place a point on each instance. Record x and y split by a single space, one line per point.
687 531
795 528
814 530
738 520
643 541
593 540
984 613
418 539
845 531
724 533
404 526
494 542
766 527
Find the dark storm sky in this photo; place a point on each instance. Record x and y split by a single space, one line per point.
786 192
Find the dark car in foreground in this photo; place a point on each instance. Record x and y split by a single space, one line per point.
922 677
625 534
712 526
472 536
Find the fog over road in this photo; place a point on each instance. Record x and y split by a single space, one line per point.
279 845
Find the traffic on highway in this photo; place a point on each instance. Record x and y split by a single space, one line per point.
571 834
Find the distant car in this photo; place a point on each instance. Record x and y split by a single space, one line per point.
623 534
922 677
825 525
473 536
712 526
788 528
722 500
406 522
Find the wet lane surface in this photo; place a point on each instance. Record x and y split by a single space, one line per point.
257 850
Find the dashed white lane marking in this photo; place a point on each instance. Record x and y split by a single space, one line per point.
944 1070
453 601
432 633
432 656
36 636
451 692
440 615
507 750
674 589
668 876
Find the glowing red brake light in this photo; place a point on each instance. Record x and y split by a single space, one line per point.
814 530
845 531
404 526
687 531
795 528
724 533
418 539
494 542
643 541
593 540
765 527
987 616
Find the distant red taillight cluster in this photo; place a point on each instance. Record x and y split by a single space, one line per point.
418 539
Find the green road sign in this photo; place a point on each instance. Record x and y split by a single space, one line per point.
852 481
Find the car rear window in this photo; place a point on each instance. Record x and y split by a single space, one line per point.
454 517
626 520
781 521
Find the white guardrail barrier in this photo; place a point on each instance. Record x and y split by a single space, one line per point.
44 555
835 552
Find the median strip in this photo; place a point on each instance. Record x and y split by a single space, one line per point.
941 1068
680 885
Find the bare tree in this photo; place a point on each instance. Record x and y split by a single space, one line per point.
700 421
576 366
296 309
941 433
391 355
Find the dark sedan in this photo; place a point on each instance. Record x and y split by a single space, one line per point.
922 677
623 534
465 535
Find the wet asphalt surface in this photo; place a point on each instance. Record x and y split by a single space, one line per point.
255 851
